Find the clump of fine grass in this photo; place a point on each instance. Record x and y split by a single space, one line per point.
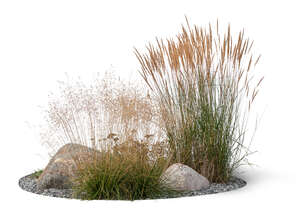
204 85
123 123
122 176
97 114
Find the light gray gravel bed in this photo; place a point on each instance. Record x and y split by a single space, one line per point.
28 183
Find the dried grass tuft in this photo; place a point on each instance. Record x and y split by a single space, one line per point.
120 120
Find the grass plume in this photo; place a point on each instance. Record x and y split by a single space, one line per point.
204 85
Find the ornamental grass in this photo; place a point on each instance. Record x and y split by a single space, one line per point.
205 86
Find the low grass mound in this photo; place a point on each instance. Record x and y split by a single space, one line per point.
121 176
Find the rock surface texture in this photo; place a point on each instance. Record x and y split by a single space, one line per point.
62 166
183 178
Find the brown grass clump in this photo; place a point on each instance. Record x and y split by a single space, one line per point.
103 115
120 120
204 85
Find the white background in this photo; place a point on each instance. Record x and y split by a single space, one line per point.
40 41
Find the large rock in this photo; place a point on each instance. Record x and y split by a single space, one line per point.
62 166
183 178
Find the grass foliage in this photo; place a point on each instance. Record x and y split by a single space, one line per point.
121 121
37 174
195 113
203 81
121 177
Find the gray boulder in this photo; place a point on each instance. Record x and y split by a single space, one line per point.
62 166
183 178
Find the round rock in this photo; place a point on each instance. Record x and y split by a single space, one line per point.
183 178
62 166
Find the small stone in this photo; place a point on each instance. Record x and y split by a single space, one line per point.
62 166
183 178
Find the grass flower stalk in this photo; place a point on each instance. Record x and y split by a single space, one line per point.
204 85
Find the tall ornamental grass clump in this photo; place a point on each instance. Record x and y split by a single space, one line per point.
204 83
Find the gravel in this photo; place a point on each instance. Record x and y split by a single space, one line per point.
28 183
